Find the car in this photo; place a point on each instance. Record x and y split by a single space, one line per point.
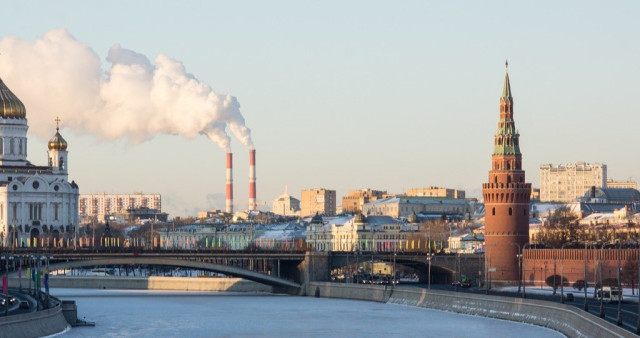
24 304
569 297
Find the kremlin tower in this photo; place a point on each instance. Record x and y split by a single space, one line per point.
506 197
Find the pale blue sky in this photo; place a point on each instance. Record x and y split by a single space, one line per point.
349 95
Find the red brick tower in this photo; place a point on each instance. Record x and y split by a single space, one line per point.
506 197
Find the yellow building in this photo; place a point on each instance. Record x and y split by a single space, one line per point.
436 192
621 185
353 202
318 201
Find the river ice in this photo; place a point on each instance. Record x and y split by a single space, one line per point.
127 313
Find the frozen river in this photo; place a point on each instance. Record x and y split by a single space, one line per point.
125 313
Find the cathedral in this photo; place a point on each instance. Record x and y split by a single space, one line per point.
38 204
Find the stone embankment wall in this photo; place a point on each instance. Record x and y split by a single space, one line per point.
154 283
34 324
566 319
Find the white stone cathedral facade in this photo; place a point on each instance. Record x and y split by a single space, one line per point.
38 205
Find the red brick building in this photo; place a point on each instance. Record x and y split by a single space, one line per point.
506 197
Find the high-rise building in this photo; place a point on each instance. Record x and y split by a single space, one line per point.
99 205
354 201
321 201
286 205
568 182
436 192
506 197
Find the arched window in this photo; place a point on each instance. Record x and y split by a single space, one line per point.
510 211
493 212
61 163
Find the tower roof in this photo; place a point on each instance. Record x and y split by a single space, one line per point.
10 106
506 89
57 142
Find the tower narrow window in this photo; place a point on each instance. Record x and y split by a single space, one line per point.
493 212
510 211
61 163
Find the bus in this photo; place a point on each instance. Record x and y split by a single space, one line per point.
609 294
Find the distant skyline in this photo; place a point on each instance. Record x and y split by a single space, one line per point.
346 96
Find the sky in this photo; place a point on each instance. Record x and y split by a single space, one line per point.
337 95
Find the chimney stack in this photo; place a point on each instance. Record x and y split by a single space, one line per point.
252 179
229 201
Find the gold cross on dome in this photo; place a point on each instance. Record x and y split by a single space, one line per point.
57 123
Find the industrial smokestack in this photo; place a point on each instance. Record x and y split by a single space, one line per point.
252 179
229 201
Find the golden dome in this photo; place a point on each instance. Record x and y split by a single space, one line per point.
57 142
10 106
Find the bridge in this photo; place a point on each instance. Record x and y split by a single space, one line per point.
285 270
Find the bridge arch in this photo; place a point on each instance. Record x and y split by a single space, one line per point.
278 283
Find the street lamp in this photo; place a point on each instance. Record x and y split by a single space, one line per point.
519 258
619 319
602 284
562 272
638 324
429 257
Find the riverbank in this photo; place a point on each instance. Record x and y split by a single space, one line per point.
559 317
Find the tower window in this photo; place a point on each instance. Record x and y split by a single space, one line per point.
524 212
510 211
61 164
493 212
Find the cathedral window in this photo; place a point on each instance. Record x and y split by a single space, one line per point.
11 144
20 146
61 163
35 211
55 211
1 146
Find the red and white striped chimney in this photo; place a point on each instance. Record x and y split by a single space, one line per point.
229 201
252 179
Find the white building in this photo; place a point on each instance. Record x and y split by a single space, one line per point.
567 182
38 205
99 205
360 233
286 205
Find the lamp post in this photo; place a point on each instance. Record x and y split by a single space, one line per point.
619 318
562 273
602 284
519 258
638 324
6 280
586 283
429 257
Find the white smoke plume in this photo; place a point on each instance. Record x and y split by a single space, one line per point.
59 76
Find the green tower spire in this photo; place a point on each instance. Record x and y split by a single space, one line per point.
506 89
